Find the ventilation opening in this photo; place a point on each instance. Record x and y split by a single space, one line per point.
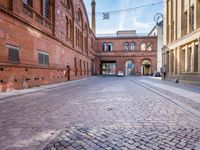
27 79
1 69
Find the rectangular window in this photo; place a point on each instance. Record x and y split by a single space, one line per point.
186 18
67 28
189 69
13 54
75 66
86 43
84 66
43 58
46 7
183 61
192 17
87 69
196 53
80 67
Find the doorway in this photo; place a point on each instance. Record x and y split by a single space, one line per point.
146 67
129 67
108 68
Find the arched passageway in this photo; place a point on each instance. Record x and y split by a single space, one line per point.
146 67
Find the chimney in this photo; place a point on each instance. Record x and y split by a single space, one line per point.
93 8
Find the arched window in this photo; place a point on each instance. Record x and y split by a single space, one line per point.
78 16
104 46
86 28
67 4
67 28
132 46
149 46
110 47
71 30
143 46
126 45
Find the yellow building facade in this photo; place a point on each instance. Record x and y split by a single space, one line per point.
181 51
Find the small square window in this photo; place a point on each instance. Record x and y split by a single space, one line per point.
13 54
43 58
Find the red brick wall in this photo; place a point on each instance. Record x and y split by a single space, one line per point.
18 29
120 56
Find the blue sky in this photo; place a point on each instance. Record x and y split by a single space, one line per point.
140 20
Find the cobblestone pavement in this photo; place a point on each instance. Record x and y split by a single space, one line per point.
191 103
80 138
106 113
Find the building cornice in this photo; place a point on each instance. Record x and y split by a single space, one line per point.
184 40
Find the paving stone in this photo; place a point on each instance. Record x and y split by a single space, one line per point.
159 142
112 113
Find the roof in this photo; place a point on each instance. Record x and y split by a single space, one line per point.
159 24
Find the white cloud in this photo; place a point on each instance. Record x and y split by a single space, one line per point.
140 24
122 17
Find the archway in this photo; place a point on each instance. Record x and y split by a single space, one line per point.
129 67
146 67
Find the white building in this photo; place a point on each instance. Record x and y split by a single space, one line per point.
158 31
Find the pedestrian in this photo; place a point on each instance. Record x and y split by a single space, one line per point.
164 72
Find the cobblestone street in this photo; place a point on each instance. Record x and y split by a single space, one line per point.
102 113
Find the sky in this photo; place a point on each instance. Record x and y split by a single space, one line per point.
141 20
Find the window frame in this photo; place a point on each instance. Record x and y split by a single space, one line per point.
46 12
110 47
126 46
104 46
44 54
147 46
11 47
192 18
132 46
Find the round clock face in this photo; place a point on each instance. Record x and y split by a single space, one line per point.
158 17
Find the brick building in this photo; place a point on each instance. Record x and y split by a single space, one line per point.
127 52
50 41
44 42
181 53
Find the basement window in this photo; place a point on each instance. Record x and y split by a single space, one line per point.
13 54
43 58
